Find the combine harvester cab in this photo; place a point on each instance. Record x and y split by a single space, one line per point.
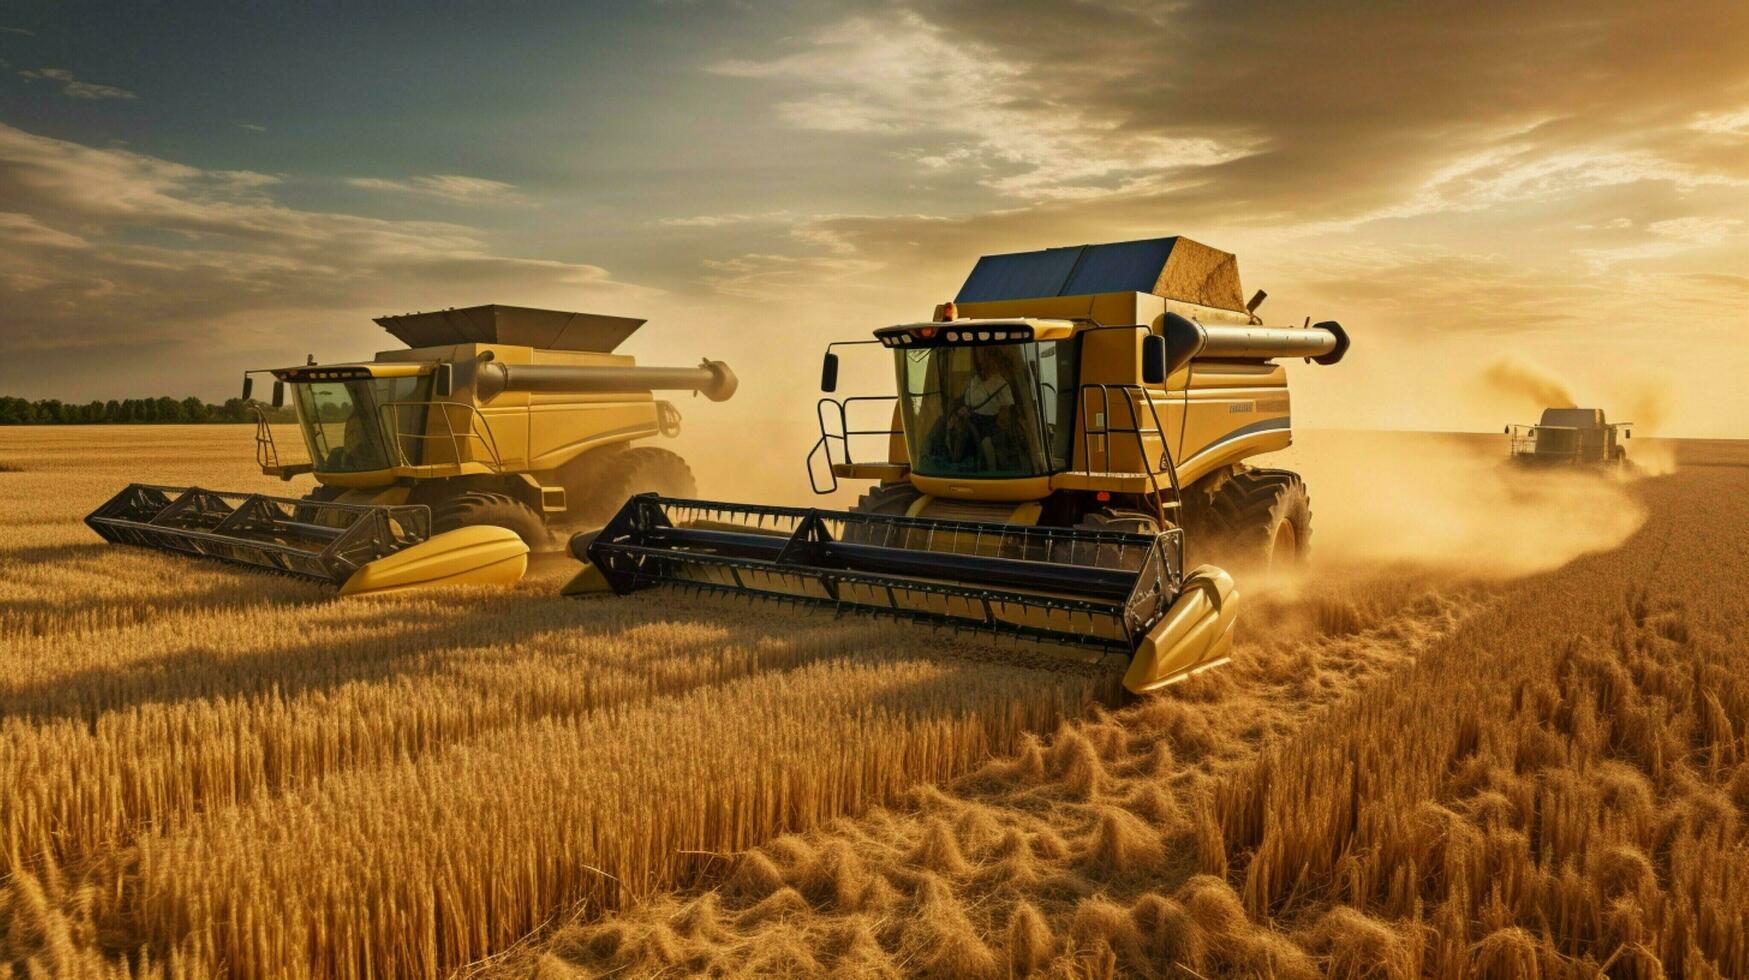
441 464
1057 429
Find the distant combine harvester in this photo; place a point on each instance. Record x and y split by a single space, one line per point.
1579 437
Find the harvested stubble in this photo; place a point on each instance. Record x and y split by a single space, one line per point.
255 779
1075 855
1564 784
1553 781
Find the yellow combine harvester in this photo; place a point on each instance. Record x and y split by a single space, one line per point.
443 463
1571 437
1057 428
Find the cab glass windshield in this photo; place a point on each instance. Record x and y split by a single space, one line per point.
997 411
343 422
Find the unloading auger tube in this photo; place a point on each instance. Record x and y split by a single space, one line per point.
712 379
1094 592
1187 340
361 549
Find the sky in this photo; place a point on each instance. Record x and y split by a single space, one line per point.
189 190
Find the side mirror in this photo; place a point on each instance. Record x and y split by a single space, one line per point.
279 394
1627 433
1153 359
248 387
1506 429
829 372
444 383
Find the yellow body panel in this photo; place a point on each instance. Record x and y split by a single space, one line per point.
587 581
362 482
1194 635
883 472
478 555
1025 488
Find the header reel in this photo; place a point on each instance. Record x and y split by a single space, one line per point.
1095 592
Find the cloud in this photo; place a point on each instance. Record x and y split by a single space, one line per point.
1503 153
164 274
965 108
26 230
1723 281
75 88
447 187
1671 236
252 127
726 220
1275 111
1735 123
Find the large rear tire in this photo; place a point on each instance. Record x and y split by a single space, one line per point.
590 482
1261 517
891 499
321 494
650 469
475 507
617 475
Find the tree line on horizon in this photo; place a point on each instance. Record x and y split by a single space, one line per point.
135 411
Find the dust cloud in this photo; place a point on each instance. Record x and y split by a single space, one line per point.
759 457
1648 403
1522 380
1656 457
1453 502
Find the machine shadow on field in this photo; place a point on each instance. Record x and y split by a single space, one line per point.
372 653
54 569
76 551
401 639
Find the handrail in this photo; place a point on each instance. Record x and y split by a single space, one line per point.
1524 439
266 449
841 438
481 432
1106 430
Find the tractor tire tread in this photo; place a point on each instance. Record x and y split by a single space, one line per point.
891 499
1245 514
471 508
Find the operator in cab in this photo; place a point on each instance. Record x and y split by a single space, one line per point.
986 411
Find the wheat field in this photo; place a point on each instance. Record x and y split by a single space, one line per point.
1545 777
1411 768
